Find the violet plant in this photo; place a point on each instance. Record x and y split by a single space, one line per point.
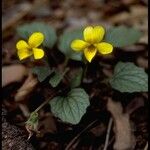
71 107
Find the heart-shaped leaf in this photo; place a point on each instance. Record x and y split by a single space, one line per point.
129 78
122 36
76 80
72 107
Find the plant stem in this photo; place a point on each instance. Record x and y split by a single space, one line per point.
54 94
45 102
66 62
84 71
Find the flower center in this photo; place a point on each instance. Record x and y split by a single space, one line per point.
91 47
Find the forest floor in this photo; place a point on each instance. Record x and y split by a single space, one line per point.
90 133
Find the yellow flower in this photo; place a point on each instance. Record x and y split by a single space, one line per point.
31 48
92 43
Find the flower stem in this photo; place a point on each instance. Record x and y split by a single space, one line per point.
45 102
66 62
84 71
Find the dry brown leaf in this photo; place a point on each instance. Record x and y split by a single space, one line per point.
14 14
124 139
27 87
24 91
138 19
136 103
41 8
98 130
24 109
135 48
134 15
142 62
13 73
129 2
47 124
107 72
144 38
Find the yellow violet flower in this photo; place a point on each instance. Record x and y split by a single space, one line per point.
25 49
92 43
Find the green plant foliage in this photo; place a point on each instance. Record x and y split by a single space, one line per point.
72 107
56 79
49 32
76 80
129 78
42 72
65 41
33 121
33 118
122 36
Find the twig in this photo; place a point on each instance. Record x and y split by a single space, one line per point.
108 133
76 137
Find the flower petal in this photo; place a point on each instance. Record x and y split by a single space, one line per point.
24 53
89 53
104 48
22 45
38 53
93 35
88 31
98 34
36 39
78 45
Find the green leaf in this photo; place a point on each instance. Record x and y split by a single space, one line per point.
129 78
72 107
76 80
56 79
42 72
26 30
122 36
65 42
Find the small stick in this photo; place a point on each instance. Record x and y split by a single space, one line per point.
108 133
